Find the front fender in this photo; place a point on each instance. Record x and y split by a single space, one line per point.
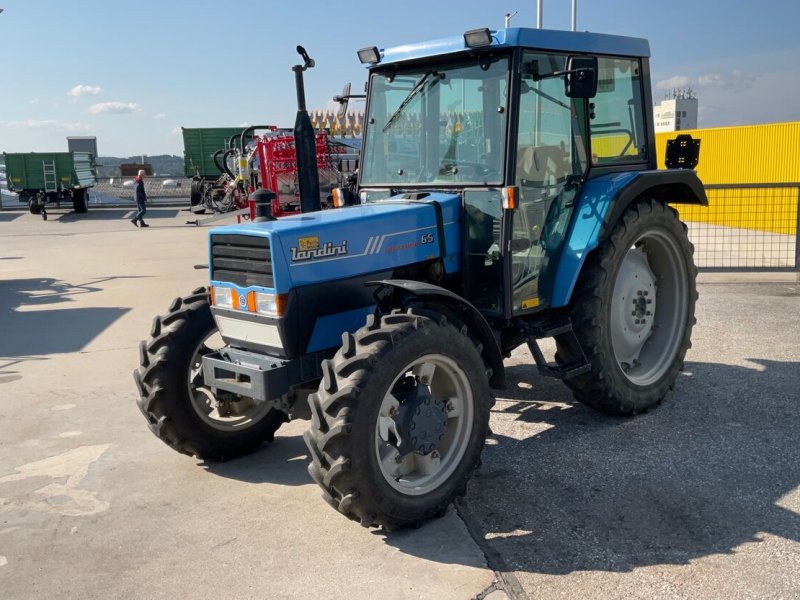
474 320
602 202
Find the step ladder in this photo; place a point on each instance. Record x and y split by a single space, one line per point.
559 371
50 179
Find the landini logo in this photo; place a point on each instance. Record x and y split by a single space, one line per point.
308 248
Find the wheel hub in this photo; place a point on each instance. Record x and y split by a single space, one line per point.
421 419
634 307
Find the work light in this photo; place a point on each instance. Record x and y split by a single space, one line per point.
369 55
475 38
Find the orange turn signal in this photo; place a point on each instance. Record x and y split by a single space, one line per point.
338 197
510 197
281 300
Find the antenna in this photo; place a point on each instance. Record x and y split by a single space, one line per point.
574 15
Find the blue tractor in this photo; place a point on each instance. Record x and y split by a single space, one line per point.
507 192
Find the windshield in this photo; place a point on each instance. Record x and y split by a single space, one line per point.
445 126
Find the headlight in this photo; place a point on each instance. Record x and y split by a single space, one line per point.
266 304
223 297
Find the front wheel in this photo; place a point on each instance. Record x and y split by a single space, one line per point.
633 312
399 421
179 408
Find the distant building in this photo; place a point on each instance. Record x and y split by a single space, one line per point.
132 169
677 111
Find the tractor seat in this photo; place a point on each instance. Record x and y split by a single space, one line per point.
541 166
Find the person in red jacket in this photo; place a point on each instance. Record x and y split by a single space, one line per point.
141 200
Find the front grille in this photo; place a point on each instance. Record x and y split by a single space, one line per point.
241 259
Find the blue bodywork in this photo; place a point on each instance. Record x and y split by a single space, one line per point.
378 237
543 39
336 244
583 234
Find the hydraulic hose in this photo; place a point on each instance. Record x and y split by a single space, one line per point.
250 130
216 161
225 162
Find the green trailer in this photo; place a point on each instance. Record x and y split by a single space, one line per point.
203 153
199 146
40 178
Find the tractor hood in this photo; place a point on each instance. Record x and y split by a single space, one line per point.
328 245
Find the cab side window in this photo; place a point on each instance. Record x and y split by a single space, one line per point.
616 113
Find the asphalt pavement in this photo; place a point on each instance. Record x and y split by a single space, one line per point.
699 498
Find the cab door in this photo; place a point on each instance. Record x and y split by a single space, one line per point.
550 158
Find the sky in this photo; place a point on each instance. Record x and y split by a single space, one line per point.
134 73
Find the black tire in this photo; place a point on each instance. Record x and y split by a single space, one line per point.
163 380
80 201
343 437
33 206
604 294
196 193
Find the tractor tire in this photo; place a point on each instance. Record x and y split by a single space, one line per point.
399 421
633 312
179 409
80 201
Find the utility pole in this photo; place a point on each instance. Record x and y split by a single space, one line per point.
539 14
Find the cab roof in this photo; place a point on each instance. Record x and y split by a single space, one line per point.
520 37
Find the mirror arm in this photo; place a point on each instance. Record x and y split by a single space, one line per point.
538 77
342 99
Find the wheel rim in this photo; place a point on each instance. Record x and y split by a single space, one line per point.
649 307
412 472
233 415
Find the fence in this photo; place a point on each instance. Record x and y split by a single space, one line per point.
746 227
121 188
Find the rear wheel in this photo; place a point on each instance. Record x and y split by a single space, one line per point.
633 312
179 408
80 201
399 421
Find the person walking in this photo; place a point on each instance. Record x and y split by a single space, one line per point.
141 200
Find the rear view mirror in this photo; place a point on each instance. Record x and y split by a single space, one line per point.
581 77
343 101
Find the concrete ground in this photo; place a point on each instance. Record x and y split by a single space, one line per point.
697 499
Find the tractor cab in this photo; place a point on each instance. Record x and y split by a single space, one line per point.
513 121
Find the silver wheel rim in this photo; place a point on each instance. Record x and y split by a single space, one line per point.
649 307
416 474
225 416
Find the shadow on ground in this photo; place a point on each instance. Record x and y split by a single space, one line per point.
700 475
284 462
26 330
111 214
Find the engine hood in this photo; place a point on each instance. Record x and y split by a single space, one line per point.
371 238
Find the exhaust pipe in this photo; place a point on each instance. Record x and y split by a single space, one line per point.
305 143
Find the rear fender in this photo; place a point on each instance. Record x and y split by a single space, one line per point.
601 204
395 293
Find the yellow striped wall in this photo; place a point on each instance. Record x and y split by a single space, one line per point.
768 153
